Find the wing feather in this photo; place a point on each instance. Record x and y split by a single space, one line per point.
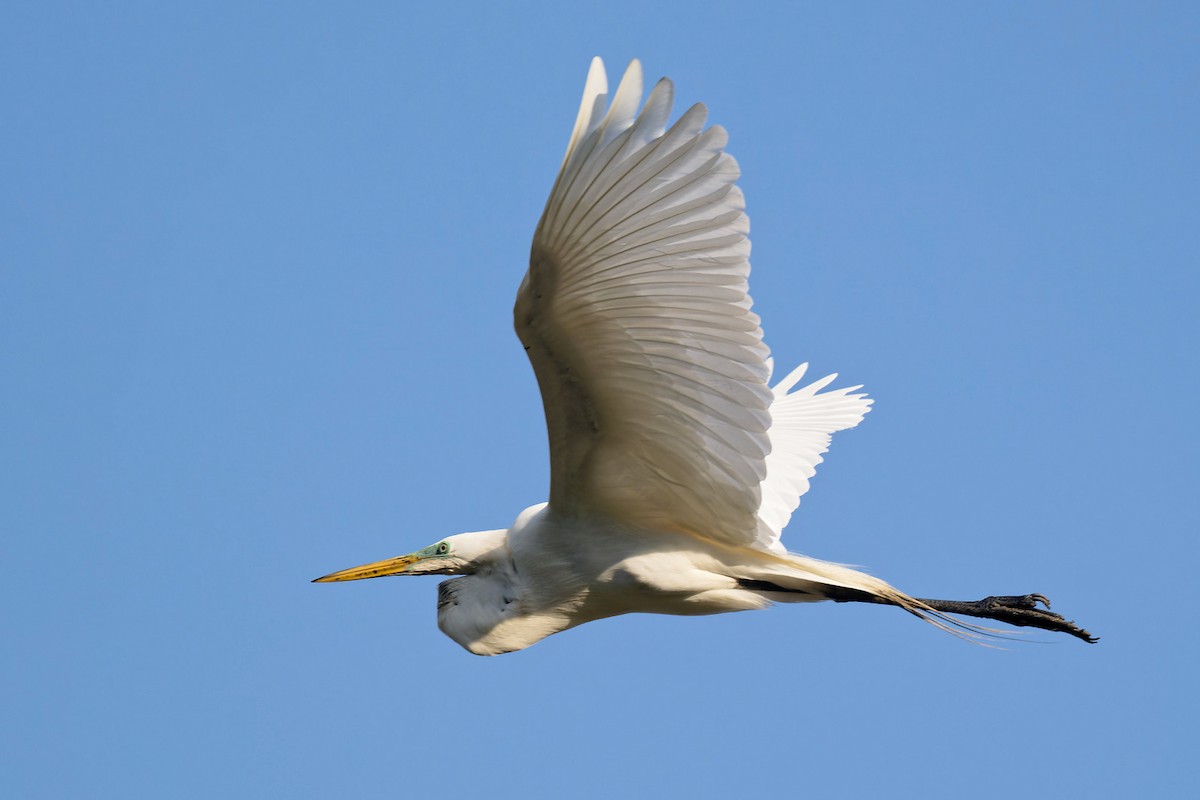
802 424
637 321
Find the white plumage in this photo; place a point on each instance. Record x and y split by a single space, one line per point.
802 424
674 467
635 315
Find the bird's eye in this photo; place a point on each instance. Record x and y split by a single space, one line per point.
443 548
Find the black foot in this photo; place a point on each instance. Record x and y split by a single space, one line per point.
1021 610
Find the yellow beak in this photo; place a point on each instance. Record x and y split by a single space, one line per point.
377 569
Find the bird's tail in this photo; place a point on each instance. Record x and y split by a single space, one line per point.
791 577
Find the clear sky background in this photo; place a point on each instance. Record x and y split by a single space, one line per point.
257 264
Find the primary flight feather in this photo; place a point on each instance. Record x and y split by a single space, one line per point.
674 466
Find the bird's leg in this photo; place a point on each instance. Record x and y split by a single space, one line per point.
1021 610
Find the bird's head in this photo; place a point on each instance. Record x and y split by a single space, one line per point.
462 554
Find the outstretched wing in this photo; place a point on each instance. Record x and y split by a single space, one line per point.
637 321
802 424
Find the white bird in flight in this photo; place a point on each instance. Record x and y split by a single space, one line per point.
674 465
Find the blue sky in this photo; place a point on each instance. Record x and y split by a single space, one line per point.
256 272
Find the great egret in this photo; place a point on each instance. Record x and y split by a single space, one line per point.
674 466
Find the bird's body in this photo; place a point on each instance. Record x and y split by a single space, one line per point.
674 464
548 573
